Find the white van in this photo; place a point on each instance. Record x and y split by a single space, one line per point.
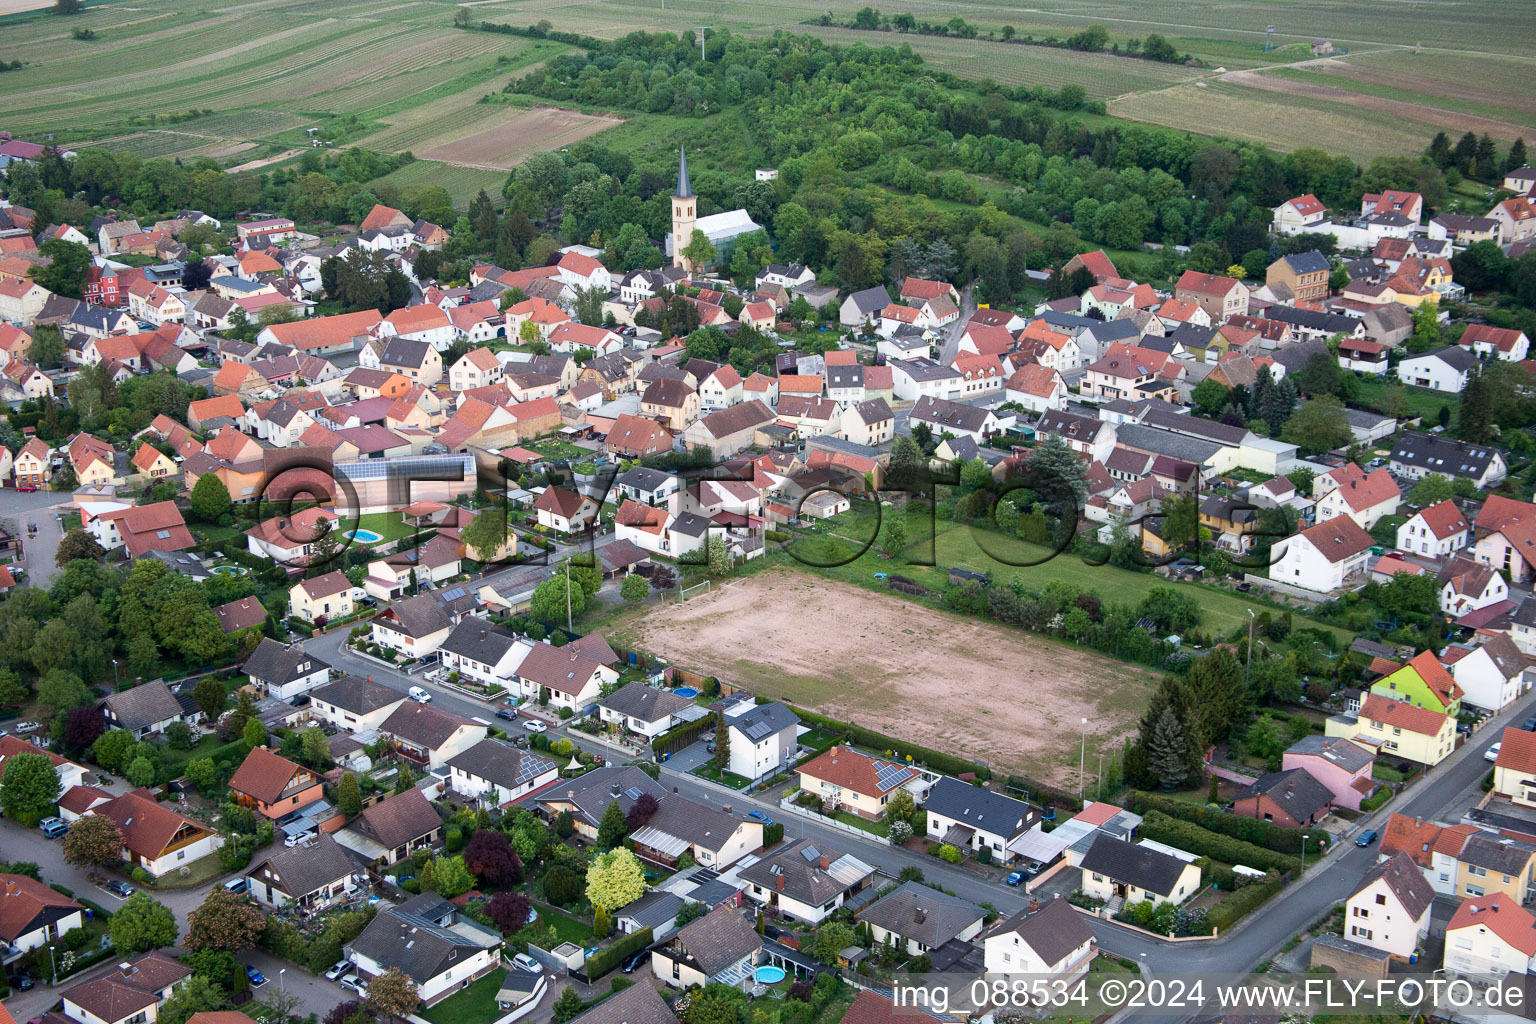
420 695
238 885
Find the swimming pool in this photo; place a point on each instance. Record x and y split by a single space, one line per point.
686 691
769 975
230 570
363 536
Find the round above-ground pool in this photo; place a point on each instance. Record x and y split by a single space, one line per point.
686 691
768 975
230 570
363 536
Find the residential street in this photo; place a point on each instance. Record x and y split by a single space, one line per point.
18 508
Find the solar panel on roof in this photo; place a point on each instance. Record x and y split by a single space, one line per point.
633 792
811 854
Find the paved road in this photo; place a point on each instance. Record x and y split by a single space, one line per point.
17 509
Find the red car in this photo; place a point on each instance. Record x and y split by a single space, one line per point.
27 488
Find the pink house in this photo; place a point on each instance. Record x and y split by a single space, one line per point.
1339 764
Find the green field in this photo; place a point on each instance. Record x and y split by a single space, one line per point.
462 183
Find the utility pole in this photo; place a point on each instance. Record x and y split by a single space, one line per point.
1101 776
1248 665
1082 757
568 628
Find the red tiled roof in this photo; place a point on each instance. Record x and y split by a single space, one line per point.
850 769
1402 715
263 775
1500 915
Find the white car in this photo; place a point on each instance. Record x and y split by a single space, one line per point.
534 725
1492 753
356 984
300 838
419 695
338 969
527 963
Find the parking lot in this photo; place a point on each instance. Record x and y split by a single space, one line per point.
19 508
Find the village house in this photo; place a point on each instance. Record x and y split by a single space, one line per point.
1340 765
806 880
1220 297
284 670
719 948
1045 938
1415 456
915 919
1290 798
1435 532
129 993
710 836
494 773
1490 937
854 782
1389 910
354 704
1504 342
642 709
430 941
155 837
1397 728
586 797
323 597
562 674
1320 558
564 511
272 785
143 710
975 818
312 877
1466 586
430 736
1304 275
1114 869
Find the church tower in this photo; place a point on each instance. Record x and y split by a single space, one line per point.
685 212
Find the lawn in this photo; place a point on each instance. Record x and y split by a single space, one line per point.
389 525
714 774
226 538
567 927
473 1005
874 828
1372 392
556 448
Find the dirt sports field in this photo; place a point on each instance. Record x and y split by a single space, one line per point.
943 681
513 141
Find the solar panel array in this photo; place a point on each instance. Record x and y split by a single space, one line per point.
888 775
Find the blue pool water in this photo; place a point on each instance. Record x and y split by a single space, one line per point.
769 975
363 536
686 691
230 570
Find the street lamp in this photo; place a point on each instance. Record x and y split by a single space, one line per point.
281 987
1304 838
1082 759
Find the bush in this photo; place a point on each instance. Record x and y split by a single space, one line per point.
1243 901
773 833
1382 795
141 876
950 854
607 959
680 737
1191 838
1249 830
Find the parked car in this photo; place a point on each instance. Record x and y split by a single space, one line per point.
419 695
238 885
122 890
355 984
27 488
337 969
1530 724
527 963
57 830
300 838
506 713
534 725
1492 753
1367 837
635 961
1015 878
24 982
256 978
760 816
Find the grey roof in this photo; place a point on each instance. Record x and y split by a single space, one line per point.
502 764
1506 856
655 910
593 792
1195 426
1166 442
964 448
1071 426
303 869
1443 455
400 351
1070 323
690 525
870 300
1404 879
1140 866
478 640
978 807
1457 358
694 823
643 478
638 1004
144 705
684 189
1053 931
718 940
805 880
921 368
1114 330
1328 323
1347 755
422 938
358 695
944 413
1296 791
646 703
915 911
845 376
1309 262
763 721
417 616
398 819
621 554
876 410
276 664
423 724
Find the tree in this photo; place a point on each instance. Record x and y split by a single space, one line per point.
634 589
393 994
77 544
140 771
562 885
895 541
203 774
1181 520
602 924
210 696
254 733
142 923
588 305
1054 472
210 498
716 1004
65 273
567 1006
548 603
1431 490
700 251
1209 396
198 994
902 806
641 811
29 788
722 756
1167 751
718 555
112 747
830 940
612 829
1263 738
1319 426
492 860
47 351
83 726
509 910
349 796
615 880
67 7
1320 376
907 463
451 877
62 690
225 920
487 532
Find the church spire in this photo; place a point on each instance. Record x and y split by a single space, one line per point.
684 190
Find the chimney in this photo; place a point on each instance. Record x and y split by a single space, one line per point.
11 888
824 862
1034 905
778 882
726 808
919 915
570 794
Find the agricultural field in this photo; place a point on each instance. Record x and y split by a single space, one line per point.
462 183
513 139
904 669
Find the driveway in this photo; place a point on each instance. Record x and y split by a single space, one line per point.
694 755
18 508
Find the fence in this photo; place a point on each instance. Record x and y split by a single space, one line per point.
793 808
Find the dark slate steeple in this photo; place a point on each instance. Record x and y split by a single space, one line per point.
684 190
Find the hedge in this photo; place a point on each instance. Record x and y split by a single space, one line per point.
1243 901
1249 830
676 739
773 833
606 960
947 763
1381 796
1188 836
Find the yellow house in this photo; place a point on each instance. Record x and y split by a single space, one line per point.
328 597
1135 873
855 782
1514 773
1398 728
153 463
1489 864
96 471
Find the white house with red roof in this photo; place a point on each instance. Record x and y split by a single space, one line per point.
1435 532
1320 558
1037 388
850 781
139 529
1302 214
1364 497
564 511
1505 342
1490 937
1516 219
567 337
580 271
1409 204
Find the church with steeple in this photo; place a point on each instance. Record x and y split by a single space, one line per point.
722 229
